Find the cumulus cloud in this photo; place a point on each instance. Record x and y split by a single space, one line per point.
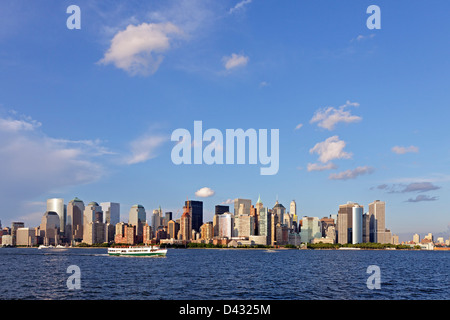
421 197
239 6
138 49
351 174
403 150
331 148
228 201
204 192
235 61
319 167
145 148
329 117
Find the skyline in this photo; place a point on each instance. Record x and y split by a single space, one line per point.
125 216
361 113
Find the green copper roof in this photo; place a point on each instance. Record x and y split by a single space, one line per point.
259 199
75 200
138 206
93 203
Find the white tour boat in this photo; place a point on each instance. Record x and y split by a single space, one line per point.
137 251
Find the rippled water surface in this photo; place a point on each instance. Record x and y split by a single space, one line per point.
224 274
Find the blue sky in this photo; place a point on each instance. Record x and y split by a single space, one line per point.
89 113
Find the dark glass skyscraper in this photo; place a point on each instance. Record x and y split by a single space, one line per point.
222 209
196 213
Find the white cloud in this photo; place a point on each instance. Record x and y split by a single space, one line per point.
204 192
351 174
144 148
138 49
299 126
403 150
330 149
329 117
228 201
239 6
33 164
234 61
319 167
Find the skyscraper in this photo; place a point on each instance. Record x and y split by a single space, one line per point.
74 222
219 209
111 212
357 224
167 218
137 217
279 210
246 204
345 222
265 222
92 212
49 228
185 225
311 229
172 229
377 215
225 225
196 213
293 211
57 205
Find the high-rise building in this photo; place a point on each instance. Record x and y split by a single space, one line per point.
14 227
196 213
57 205
225 225
325 224
416 238
377 216
125 234
185 225
206 231
265 223
172 229
111 212
219 209
357 224
74 222
366 227
246 204
94 232
26 237
92 212
279 210
243 226
156 220
254 215
147 236
167 218
311 229
344 222
137 217
293 212
49 228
